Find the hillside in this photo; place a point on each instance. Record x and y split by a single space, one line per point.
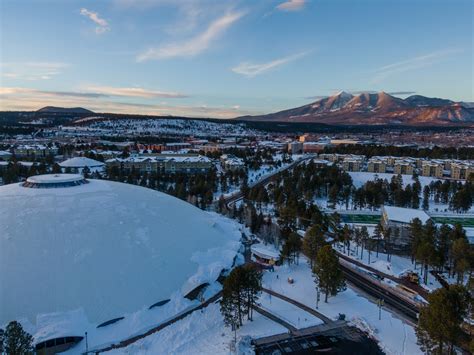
375 109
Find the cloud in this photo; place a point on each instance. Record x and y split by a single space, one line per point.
291 5
411 64
135 92
195 45
102 24
96 92
22 99
250 70
32 71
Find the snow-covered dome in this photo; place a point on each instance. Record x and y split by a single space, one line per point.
107 247
81 162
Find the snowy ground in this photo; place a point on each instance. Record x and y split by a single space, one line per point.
359 178
394 335
288 312
201 333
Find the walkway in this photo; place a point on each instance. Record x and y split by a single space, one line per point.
299 305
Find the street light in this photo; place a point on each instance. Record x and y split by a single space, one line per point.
317 296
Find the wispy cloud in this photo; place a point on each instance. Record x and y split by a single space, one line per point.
195 45
18 98
32 71
97 92
102 24
291 5
250 70
418 62
135 92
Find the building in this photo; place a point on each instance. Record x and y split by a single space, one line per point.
461 171
83 244
37 151
295 147
162 163
78 164
265 255
352 164
376 166
231 163
4 155
313 147
403 167
432 168
400 218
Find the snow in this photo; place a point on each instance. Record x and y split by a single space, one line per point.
405 215
288 312
265 251
201 333
81 162
394 335
359 178
113 250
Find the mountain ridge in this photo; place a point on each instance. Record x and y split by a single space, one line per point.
375 108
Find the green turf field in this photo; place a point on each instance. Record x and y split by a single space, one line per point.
374 219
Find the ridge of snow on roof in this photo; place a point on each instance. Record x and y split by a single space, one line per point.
80 162
405 215
54 178
106 247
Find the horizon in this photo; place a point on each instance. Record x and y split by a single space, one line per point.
207 59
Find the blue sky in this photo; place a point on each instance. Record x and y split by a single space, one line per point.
229 58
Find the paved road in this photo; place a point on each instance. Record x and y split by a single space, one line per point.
299 305
127 342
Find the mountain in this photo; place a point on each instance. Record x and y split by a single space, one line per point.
375 108
61 110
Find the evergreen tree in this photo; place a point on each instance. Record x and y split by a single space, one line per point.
16 340
328 273
439 322
313 241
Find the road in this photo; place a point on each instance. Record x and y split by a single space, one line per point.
238 195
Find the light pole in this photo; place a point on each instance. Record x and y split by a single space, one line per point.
380 303
87 344
317 297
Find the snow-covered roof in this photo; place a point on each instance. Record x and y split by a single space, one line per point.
54 178
81 162
265 251
106 247
405 215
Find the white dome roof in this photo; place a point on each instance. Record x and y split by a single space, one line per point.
81 162
107 247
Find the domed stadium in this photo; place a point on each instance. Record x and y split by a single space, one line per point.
107 248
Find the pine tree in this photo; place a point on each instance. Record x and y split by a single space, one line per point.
16 340
439 322
313 241
328 273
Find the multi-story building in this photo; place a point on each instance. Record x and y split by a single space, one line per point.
398 218
432 168
461 171
403 167
34 150
375 165
163 164
295 147
351 164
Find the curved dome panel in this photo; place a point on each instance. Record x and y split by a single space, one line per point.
108 247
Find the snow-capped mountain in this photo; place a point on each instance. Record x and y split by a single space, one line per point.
375 108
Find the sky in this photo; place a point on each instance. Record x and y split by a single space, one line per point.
222 59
